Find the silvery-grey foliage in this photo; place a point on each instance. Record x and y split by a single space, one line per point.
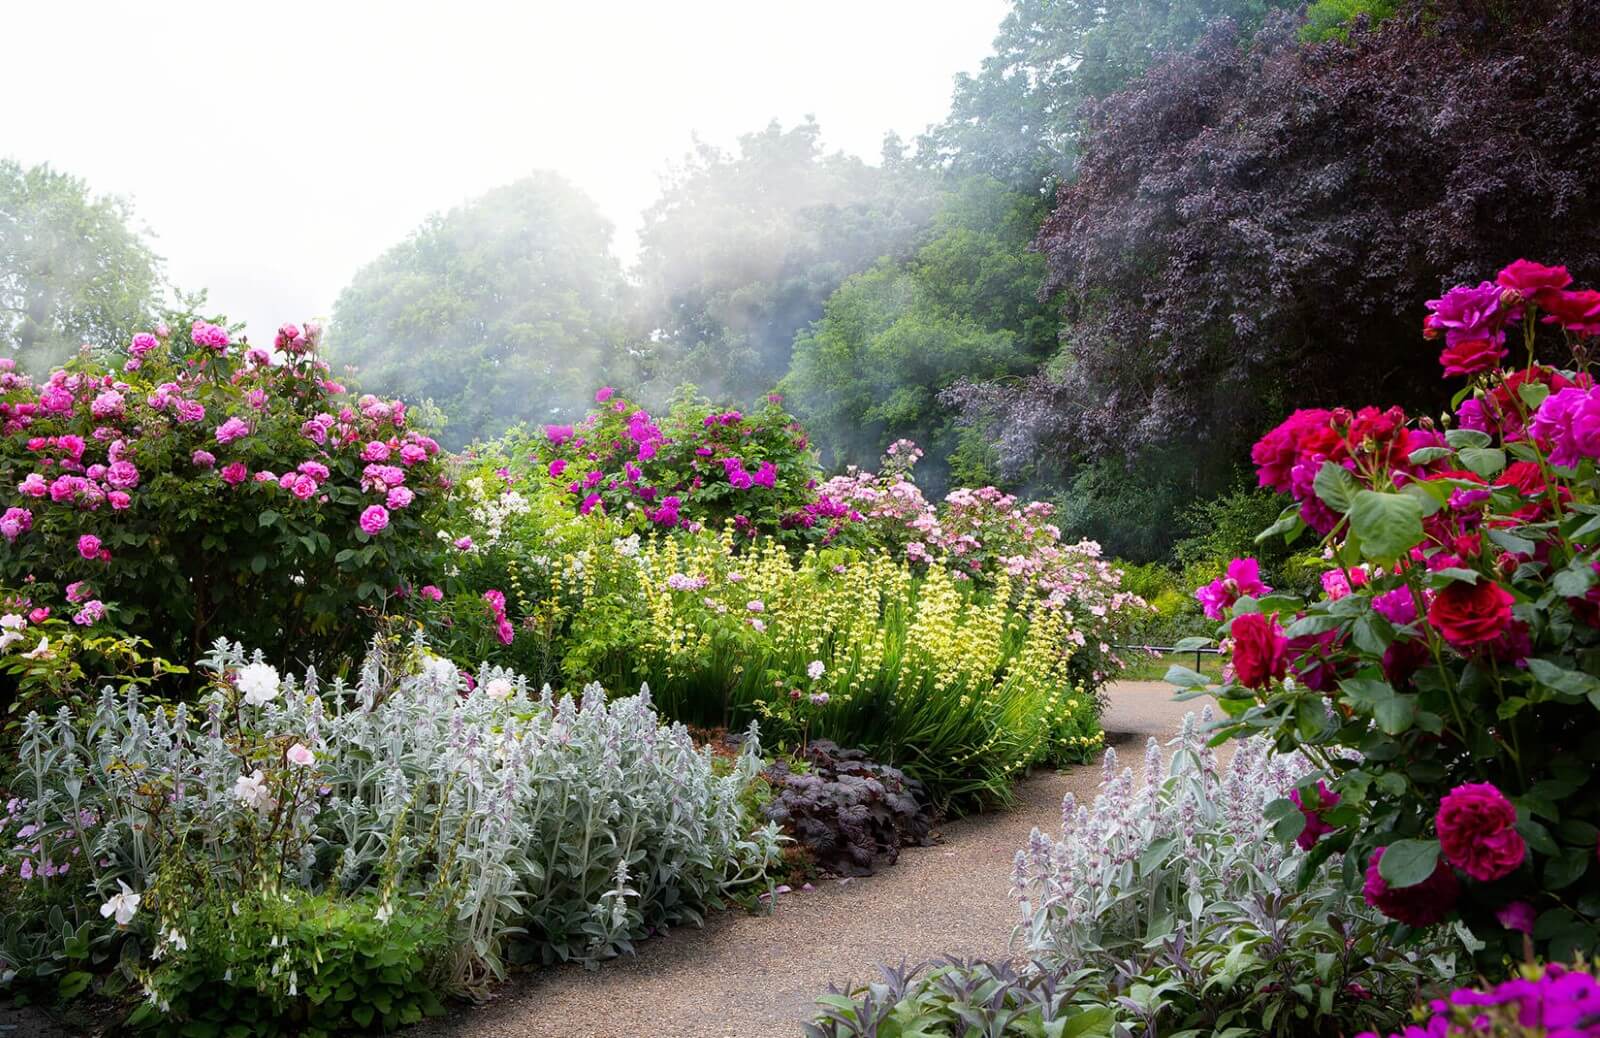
1157 854
581 823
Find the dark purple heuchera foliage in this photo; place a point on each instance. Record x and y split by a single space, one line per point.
1259 221
851 814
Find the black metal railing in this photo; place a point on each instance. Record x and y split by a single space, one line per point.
1168 650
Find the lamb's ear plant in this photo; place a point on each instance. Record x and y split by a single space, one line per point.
1178 883
508 819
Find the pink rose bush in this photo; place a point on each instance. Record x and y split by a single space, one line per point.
206 489
1447 681
697 466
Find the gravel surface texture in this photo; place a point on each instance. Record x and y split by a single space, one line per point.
755 976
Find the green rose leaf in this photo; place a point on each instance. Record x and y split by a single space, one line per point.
1289 525
1566 682
1424 455
1485 461
1460 438
1396 713
1389 525
1335 486
1406 863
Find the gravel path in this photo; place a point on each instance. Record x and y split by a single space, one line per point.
755 976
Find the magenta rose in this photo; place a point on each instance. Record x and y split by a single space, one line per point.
1477 831
1425 904
1243 578
1529 279
1470 356
374 519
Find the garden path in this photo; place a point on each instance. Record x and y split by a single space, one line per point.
755 976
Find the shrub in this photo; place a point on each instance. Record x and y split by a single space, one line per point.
56 662
1179 875
519 543
957 687
697 468
850 814
295 964
207 491
957 682
581 825
1456 641
982 534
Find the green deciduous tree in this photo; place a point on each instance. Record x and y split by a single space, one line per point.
965 305
741 250
508 308
72 270
1017 119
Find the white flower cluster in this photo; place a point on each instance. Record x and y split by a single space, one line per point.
492 511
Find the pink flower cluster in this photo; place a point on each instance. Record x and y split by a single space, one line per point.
619 456
34 861
1243 578
1375 446
497 612
1554 1001
1476 824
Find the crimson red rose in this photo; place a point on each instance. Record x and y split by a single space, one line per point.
1529 278
1575 311
1425 904
1471 356
1260 651
1307 431
1404 658
1470 615
1477 831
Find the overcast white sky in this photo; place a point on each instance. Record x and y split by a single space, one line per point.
274 148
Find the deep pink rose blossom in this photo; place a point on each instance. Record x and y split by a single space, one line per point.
1477 831
1424 904
374 519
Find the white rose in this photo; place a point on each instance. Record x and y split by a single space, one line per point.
258 683
498 689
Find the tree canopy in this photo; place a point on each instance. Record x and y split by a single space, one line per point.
740 251
1018 118
964 305
72 268
1260 221
508 308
